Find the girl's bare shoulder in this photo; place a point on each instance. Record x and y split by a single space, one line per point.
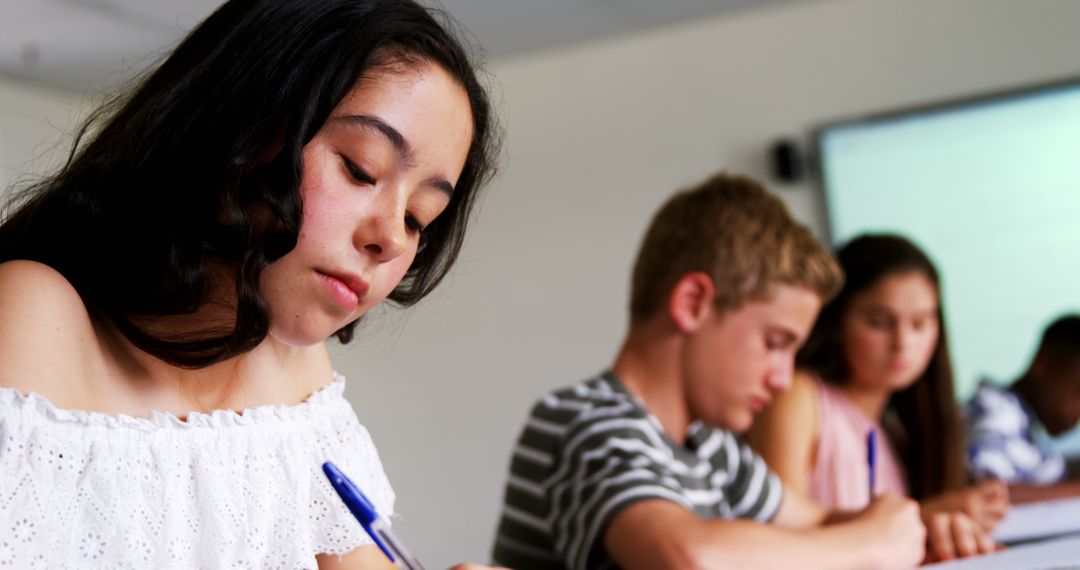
47 337
804 385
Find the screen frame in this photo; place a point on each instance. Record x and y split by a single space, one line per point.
818 133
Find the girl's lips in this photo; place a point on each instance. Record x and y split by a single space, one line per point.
346 296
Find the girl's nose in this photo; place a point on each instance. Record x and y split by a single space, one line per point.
382 232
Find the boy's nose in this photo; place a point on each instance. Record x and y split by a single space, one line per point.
779 379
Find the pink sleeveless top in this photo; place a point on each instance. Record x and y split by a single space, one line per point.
840 477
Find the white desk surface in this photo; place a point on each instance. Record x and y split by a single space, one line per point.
1058 519
1055 553
1038 520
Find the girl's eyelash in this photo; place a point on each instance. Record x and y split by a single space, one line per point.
361 177
357 173
413 224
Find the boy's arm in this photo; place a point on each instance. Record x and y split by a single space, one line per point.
949 533
662 534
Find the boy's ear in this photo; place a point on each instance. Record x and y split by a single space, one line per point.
691 301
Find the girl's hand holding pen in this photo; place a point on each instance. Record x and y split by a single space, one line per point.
373 524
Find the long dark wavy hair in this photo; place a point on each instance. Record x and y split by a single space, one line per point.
929 434
199 167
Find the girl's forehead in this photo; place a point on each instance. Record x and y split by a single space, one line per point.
419 92
903 283
910 291
401 73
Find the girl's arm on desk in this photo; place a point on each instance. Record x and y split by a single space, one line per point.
1020 494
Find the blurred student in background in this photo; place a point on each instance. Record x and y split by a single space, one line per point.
877 359
640 466
1010 426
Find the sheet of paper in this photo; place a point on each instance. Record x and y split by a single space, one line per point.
1039 520
1055 553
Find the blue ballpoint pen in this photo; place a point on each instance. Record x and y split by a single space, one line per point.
871 458
364 511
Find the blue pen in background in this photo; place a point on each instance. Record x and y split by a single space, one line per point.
871 459
364 511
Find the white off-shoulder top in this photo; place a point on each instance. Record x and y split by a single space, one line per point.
216 490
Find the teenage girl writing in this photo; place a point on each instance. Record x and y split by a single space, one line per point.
877 358
166 397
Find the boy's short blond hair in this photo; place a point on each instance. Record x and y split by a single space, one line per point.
732 229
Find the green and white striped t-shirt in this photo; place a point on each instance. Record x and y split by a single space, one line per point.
590 450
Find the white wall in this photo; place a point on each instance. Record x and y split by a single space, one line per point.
35 129
597 137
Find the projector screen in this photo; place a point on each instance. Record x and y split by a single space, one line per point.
990 189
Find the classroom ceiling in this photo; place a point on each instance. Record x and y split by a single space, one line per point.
76 45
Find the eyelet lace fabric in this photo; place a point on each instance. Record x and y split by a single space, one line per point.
218 490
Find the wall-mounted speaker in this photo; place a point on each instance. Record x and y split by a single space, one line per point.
788 161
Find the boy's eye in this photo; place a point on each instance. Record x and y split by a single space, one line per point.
776 342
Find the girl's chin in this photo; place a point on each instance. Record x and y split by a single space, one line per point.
301 337
901 380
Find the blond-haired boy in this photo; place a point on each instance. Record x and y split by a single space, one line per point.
641 466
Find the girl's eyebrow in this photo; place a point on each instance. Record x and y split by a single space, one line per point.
885 310
398 141
402 146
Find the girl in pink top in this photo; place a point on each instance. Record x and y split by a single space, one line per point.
835 479
877 358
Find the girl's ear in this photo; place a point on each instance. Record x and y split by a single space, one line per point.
691 301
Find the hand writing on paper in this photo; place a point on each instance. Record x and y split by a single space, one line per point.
897 518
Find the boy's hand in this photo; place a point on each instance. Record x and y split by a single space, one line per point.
955 535
893 523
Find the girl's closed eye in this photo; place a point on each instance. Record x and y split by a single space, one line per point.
921 323
879 321
356 173
359 176
414 226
